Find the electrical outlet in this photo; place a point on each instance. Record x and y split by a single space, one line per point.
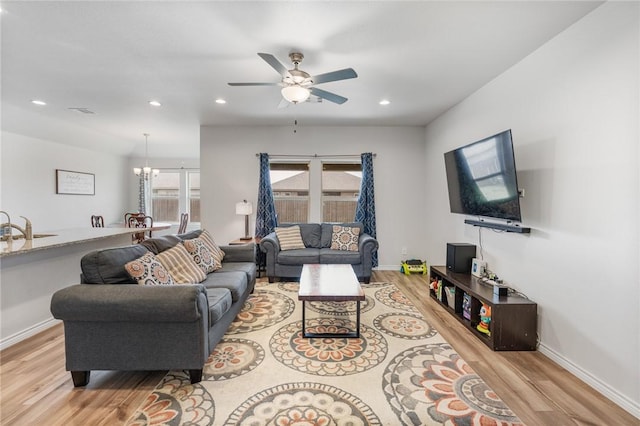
404 251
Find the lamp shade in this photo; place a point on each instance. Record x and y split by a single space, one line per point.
295 93
244 208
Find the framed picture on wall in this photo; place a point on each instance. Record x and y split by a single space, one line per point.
75 183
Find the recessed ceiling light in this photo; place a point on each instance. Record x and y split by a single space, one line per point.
155 103
221 101
38 102
384 102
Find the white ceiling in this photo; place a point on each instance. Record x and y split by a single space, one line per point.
113 57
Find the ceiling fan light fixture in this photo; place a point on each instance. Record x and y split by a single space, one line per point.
295 93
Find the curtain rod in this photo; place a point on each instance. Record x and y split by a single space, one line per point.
313 156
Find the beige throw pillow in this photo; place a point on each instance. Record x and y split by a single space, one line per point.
290 238
181 266
147 270
202 256
345 238
216 251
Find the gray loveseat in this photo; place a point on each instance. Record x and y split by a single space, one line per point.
317 241
112 323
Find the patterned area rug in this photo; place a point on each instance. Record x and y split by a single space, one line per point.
401 371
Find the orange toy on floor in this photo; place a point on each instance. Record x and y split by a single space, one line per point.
485 319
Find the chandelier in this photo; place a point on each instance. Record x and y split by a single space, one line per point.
146 169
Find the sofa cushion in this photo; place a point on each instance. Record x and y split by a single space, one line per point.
201 255
248 268
234 281
181 266
345 238
147 270
219 303
289 238
299 257
330 256
310 233
190 235
327 231
157 245
106 266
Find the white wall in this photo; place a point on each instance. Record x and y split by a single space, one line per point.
230 172
573 109
29 189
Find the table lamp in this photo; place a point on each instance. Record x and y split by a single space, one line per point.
245 208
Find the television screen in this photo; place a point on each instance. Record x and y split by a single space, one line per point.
481 178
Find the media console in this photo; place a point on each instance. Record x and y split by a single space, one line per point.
514 319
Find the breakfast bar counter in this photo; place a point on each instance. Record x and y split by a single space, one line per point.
66 237
32 270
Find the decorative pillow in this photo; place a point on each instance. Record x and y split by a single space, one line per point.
201 255
147 270
216 252
290 238
345 238
181 266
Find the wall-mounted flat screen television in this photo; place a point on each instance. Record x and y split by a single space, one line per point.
481 178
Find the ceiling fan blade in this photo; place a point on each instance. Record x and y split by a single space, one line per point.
275 63
344 74
253 84
283 103
328 95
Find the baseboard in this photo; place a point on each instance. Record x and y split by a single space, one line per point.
26 333
633 407
387 268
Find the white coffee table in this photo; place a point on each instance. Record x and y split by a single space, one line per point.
330 283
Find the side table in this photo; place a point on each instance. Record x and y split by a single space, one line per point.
261 258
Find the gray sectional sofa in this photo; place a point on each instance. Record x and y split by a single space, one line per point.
112 323
317 241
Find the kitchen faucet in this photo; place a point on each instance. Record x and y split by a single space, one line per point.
5 228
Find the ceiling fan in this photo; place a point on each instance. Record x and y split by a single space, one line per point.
297 85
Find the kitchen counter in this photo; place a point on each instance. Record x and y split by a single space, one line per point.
66 237
31 271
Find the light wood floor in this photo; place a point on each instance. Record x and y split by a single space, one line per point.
35 389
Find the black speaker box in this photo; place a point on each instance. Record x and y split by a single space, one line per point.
460 256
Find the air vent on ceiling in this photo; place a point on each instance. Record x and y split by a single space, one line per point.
82 110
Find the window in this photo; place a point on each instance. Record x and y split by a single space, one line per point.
315 191
174 192
193 188
165 197
290 185
340 189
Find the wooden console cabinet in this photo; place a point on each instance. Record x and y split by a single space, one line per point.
514 319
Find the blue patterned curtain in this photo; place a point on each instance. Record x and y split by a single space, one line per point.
266 209
366 208
142 195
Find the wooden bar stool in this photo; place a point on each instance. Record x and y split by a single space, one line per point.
184 221
97 221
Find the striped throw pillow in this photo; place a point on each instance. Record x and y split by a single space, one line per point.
290 238
147 270
181 266
216 252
